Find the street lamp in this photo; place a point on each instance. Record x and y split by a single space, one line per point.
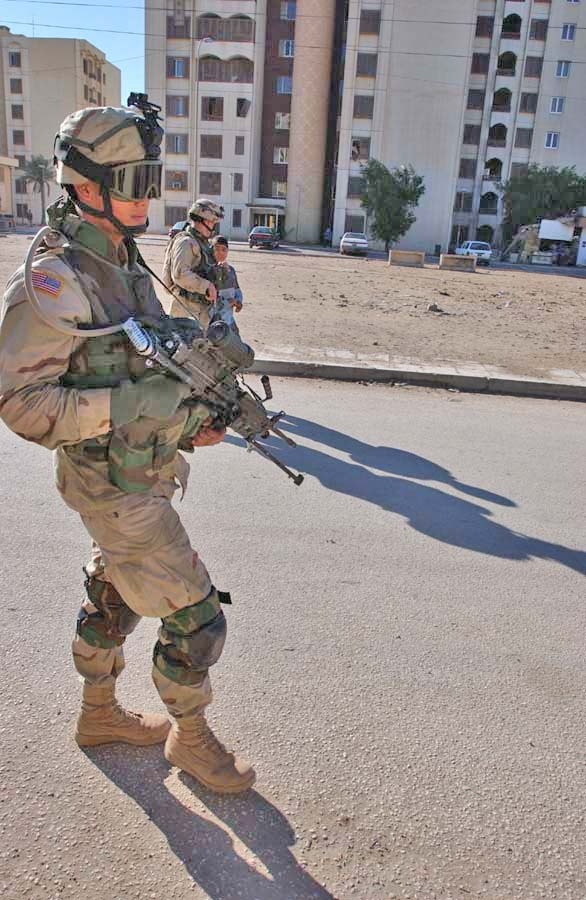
198 43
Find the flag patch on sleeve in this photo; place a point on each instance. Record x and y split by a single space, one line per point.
42 281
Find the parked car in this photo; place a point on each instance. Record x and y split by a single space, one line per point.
261 236
177 227
354 242
479 249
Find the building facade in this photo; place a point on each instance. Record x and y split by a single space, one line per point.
272 107
41 81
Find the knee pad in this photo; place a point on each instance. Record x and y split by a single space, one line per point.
113 620
191 640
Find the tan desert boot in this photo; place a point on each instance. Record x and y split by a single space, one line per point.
193 747
103 721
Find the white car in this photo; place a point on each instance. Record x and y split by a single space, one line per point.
479 249
354 242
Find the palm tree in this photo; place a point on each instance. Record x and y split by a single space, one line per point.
39 172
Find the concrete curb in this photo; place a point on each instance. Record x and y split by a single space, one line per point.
511 385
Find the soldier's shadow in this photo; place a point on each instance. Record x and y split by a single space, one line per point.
205 849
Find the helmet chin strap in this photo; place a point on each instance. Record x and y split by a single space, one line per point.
128 231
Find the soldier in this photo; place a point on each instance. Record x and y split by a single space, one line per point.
189 262
70 384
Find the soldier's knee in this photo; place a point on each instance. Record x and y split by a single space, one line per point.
191 640
112 621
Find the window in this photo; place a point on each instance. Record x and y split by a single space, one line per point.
177 143
16 85
177 106
284 84
568 32
355 186
518 170
463 202
501 101
507 64
238 182
86 93
511 27
538 30
467 168
460 234
488 205
497 135
175 181
239 145
279 189
528 103
18 138
177 67
366 65
17 111
22 210
533 66
210 183
281 155
237 70
99 99
480 63
14 59
552 140
288 10
370 21
484 26
363 107
211 146
287 49
104 78
360 148
475 99
523 137
354 223
242 107
175 214
20 185
282 121
471 134
176 29
234 28
212 109
21 160
236 218
563 68
557 105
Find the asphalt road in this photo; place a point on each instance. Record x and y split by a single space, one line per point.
405 667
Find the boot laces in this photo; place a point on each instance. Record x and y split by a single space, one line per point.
207 737
122 715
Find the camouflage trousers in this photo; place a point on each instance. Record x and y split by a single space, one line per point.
191 306
143 564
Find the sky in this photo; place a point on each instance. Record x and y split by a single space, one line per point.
123 50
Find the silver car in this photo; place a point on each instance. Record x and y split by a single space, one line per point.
354 242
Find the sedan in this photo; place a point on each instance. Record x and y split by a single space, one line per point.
177 227
263 237
354 242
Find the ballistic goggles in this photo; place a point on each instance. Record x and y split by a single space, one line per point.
135 181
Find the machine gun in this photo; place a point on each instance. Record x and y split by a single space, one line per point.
209 364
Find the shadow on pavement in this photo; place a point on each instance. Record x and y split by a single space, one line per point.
439 515
206 850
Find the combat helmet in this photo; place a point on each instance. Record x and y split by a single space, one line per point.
117 148
207 212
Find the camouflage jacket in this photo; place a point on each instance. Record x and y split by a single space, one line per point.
188 263
48 392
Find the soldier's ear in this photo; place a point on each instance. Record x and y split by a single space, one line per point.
85 191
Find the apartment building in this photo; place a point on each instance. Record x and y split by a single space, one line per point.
41 81
272 107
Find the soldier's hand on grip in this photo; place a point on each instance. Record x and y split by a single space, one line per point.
155 397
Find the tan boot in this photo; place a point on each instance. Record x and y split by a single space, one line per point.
103 721
193 747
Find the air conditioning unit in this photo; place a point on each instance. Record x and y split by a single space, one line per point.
176 185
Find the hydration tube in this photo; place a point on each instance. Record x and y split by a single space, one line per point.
37 306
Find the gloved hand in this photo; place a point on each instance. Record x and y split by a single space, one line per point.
156 397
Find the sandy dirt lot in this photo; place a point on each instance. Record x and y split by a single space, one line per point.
529 323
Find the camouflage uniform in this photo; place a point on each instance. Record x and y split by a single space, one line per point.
188 271
55 391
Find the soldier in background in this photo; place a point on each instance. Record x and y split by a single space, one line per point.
71 381
189 263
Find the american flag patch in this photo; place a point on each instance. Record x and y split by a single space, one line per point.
48 283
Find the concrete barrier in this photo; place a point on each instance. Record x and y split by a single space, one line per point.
407 258
457 263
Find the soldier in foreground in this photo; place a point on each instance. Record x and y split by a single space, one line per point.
189 263
68 383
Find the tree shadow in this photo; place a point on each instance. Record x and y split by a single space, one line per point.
204 848
441 516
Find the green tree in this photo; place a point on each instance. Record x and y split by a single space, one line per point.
38 171
389 198
542 192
